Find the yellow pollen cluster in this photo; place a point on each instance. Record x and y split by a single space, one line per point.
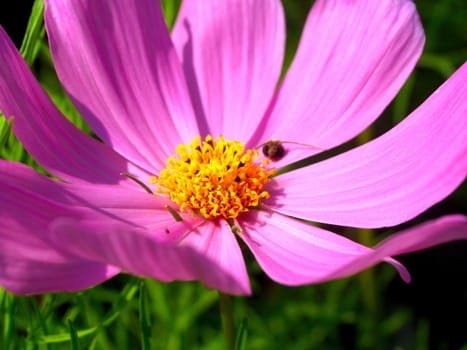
214 178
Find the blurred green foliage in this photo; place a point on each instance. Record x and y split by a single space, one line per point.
368 311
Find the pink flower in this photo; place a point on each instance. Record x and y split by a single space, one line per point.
144 92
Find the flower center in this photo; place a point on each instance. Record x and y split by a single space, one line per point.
214 178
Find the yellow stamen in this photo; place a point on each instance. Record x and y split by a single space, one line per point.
214 178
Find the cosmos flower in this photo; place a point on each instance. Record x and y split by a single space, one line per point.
180 177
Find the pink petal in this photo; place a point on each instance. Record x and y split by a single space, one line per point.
352 59
232 55
28 262
293 253
80 227
393 178
116 61
52 140
446 229
134 207
215 241
147 254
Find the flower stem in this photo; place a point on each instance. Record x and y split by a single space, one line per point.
369 290
225 305
367 277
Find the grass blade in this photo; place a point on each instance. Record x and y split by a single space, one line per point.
145 323
35 32
240 342
73 336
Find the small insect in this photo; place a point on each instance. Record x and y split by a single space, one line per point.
274 150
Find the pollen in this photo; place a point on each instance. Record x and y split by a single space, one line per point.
214 178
